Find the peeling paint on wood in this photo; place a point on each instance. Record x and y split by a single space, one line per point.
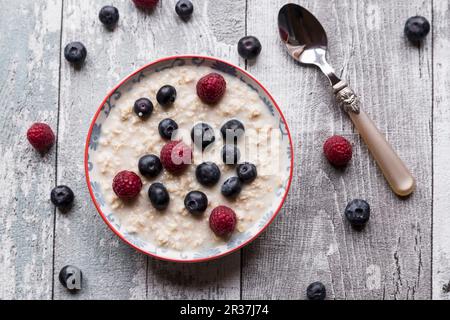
111 269
310 240
29 44
441 139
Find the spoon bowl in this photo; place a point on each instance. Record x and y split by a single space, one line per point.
305 38
302 32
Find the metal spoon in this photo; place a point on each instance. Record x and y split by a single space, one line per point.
306 42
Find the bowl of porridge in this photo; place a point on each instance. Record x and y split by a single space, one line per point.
188 159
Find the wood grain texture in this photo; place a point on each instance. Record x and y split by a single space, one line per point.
401 86
29 43
112 269
441 151
212 30
311 240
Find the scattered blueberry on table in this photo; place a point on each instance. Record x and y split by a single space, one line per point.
150 166
41 137
207 173
357 212
316 291
246 172
166 128
249 47
143 108
75 53
196 202
231 187
62 197
71 278
166 95
159 196
202 134
109 16
184 9
230 154
417 28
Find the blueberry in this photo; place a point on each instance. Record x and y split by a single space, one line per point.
232 130
249 47
202 135
231 187
159 197
196 202
71 277
208 174
75 52
417 28
143 108
109 16
357 212
316 291
184 9
166 128
166 95
246 172
62 197
230 154
149 166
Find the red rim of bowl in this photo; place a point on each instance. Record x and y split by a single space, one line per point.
86 152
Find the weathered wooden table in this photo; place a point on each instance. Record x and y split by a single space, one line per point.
404 253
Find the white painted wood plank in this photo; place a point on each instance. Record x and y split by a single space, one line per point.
29 43
213 30
111 269
311 240
441 151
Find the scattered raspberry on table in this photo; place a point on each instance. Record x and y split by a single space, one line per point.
41 136
338 151
150 4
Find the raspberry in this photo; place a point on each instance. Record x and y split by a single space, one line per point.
211 88
41 136
127 185
338 150
146 3
222 221
175 156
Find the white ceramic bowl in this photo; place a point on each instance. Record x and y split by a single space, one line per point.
238 240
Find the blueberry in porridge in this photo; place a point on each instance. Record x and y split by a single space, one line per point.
166 128
143 107
150 166
230 154
202 134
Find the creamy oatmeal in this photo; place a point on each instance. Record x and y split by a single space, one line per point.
126 138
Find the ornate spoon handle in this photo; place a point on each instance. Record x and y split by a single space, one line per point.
393 168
